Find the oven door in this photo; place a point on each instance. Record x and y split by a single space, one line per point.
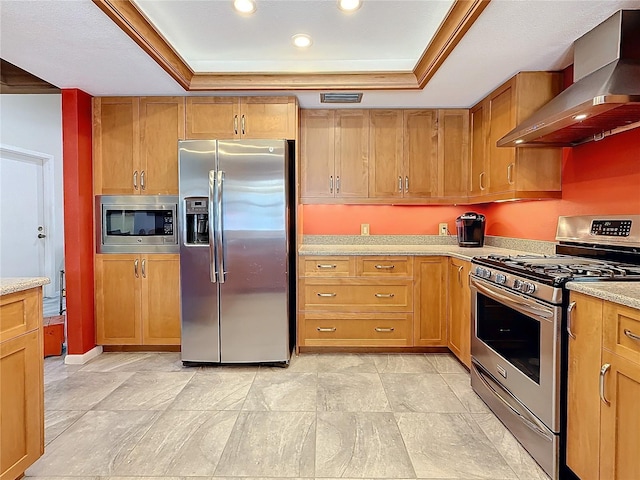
516 339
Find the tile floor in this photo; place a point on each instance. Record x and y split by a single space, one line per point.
144 415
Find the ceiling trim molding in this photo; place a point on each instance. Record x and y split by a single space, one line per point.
461 16
131 21
304 81
459 19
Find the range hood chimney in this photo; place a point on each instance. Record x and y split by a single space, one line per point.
605 96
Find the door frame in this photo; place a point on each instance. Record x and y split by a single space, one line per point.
46 161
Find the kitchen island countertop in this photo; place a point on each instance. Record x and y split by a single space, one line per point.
18 284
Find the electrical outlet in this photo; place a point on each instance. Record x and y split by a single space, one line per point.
443 228
364 229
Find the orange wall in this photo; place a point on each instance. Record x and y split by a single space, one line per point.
597 178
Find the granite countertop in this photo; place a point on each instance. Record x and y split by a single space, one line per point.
624 293
18 284
448 250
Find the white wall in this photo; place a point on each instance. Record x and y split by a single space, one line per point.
34 122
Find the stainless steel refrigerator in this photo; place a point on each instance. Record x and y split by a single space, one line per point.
234 251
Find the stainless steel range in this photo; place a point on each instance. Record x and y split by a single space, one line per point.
520 310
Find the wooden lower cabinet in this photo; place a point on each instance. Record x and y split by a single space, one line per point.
137 299
459 311
603 425
585 347
430 312
21 382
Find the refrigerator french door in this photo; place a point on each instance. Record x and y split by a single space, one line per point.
234 247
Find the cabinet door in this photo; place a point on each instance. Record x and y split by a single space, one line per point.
317 155
21 412
583 437
268 117
453 153
459 331
501 121
117 297
421 153
161 126
160 299
429 310
116 145
352 153
386 173
212 118
620 420
477 170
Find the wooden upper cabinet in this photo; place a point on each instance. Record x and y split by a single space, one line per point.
453 153
161 126
116 145
420 147
478 156
242 117
213 118
386 169
136 144
514 172
317 153
352 153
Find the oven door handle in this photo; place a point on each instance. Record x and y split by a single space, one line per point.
531 308
532 423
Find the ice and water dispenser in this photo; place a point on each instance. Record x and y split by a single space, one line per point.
197 220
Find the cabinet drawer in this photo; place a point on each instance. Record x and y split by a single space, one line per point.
384 266
354 295
344 329
20 312
328 266
622 331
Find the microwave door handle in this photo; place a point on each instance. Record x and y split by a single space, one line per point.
219 227
527 307
211 211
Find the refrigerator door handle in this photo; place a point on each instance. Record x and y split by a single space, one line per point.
212 250
219 227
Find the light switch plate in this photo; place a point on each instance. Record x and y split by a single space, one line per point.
364 229
443 228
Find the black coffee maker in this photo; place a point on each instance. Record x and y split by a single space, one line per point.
470 227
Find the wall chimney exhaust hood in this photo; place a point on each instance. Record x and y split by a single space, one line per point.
605 96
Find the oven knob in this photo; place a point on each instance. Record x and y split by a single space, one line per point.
528 287
517 284
487 274
501 279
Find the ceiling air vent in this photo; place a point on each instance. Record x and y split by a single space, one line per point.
340 97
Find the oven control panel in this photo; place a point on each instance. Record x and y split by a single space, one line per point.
611 228
517 283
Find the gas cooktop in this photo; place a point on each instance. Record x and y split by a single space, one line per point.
559 269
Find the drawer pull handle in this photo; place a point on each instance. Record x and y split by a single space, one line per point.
603 372
631 335
385 295
326 266
381 329
330 329
326 294
385 267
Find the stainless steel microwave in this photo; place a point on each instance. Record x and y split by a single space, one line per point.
136 224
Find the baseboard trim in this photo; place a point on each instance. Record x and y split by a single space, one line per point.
84 358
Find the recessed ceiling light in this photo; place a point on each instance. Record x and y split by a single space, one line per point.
301 40
349 5
244 6
519 141
582 116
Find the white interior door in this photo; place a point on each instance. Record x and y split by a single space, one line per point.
24 215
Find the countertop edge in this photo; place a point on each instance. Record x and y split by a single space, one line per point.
623 293
18 284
